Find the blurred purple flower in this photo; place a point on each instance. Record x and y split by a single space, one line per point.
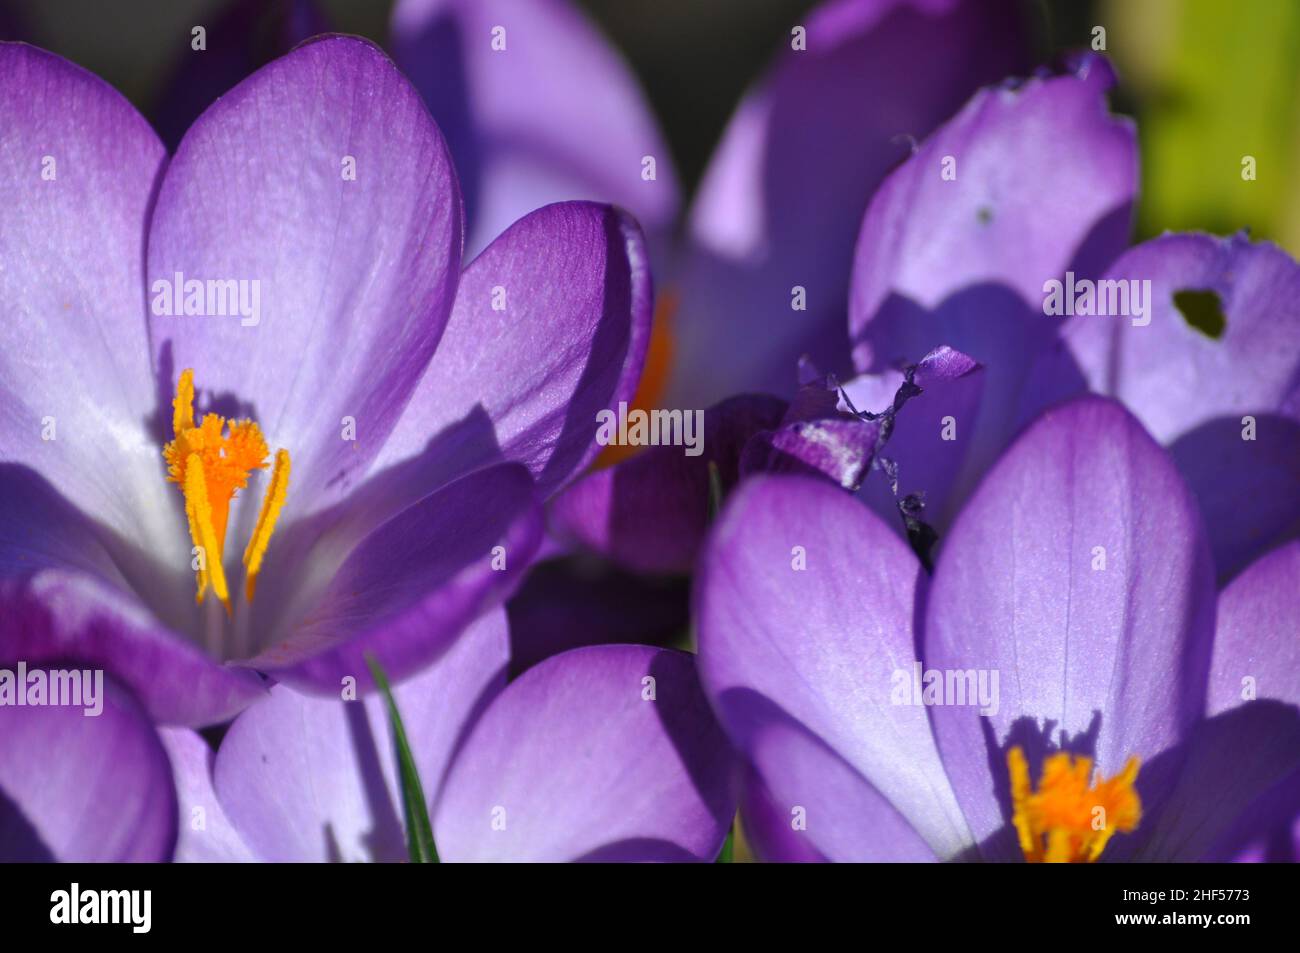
1078 575
472 396
537 107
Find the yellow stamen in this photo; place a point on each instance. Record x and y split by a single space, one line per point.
271 504
211 462
183 405
199 511
1066 820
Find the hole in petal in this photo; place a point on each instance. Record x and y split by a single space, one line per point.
984 215
1203 311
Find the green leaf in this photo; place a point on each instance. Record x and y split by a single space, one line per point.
419 832
728 846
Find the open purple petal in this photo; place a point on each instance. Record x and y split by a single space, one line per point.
1079 574
321 185
1194 386
411 586
84 786
550 326
537 108
804 613
602 753
77 173
650 513
315 779
1256 649
782 200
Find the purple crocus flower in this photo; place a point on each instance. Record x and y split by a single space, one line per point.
603 753
1041 186
422 413
1058 690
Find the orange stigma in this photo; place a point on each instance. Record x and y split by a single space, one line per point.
1066 820
211 462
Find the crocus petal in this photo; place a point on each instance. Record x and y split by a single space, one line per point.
322 178
815 438
1266 831
315 779
1080 575
1193 391
78 168
55 614
1242 760
537 107
804 618
770 831
1256 651
650 513
782 199
601 753
550 327
76 785
1024 184
206 833
411 586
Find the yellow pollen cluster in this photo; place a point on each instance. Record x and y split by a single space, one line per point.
1065 820
211 462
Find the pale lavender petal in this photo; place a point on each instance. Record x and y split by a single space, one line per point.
553 115
356 273
315 779
782 200
550 326
206 834
1079 574
601 753
804 614
81 786
1256 648
1193 391
78 169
